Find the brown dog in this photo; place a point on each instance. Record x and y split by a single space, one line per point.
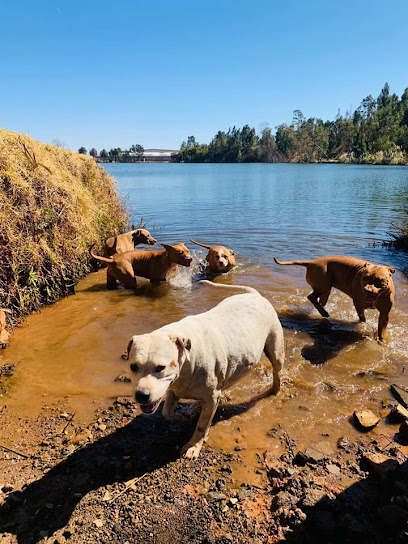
219 258
156 266
4 334
127 241
369 285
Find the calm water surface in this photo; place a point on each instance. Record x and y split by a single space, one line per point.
334 366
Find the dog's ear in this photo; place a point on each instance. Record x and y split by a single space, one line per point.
127 352
167 247
231 251
391 269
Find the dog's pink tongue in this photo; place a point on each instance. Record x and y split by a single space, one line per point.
149 408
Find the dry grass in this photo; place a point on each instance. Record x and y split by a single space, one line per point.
53 204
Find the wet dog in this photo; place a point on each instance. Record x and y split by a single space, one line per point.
201 355
156 266
369 285
127 242
220 259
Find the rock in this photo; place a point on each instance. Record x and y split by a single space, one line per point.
400 394
245 494
124 401
398 414
216 496
99 522
312 497
283 499
276 469
393 516
366 419
403 433
389 403
220 484
102 427
122 378
107 496
233 501
381 464
333 469
6 488
43 534
313 454
344 443
82 438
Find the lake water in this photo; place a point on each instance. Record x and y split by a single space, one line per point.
292 210
332 367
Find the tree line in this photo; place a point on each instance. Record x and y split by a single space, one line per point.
133 154
375 133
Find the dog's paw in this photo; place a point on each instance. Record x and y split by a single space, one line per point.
190 452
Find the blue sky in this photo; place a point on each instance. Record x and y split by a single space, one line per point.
104 74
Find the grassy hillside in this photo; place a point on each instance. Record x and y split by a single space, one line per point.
53 204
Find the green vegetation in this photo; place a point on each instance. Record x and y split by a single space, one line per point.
133 154
375 133
53 204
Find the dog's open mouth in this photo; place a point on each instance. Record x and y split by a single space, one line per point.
150 408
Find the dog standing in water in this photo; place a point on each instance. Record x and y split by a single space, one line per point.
369 285
201 355
156 266
220 259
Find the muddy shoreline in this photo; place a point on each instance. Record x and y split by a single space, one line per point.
119 479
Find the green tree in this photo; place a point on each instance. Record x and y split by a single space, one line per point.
93 152
138 151
82 150
103 154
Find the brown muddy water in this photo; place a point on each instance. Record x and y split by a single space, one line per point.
72 350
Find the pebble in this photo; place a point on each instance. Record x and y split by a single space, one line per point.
333 469
216 496
122 378
398 414
366 419
381 464
400 394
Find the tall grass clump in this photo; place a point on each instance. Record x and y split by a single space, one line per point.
53 204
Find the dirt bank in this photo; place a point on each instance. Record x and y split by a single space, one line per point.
119 480
53 204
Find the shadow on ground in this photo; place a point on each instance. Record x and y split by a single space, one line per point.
147 443
374 510
329 337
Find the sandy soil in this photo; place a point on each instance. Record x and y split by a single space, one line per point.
120 480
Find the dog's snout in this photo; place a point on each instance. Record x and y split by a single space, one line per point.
142 396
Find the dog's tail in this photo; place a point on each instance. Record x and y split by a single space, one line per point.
199 244
244 288
300 263
98 257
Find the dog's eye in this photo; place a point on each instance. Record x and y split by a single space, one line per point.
159 368
134 367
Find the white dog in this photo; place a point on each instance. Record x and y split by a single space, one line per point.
201 355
